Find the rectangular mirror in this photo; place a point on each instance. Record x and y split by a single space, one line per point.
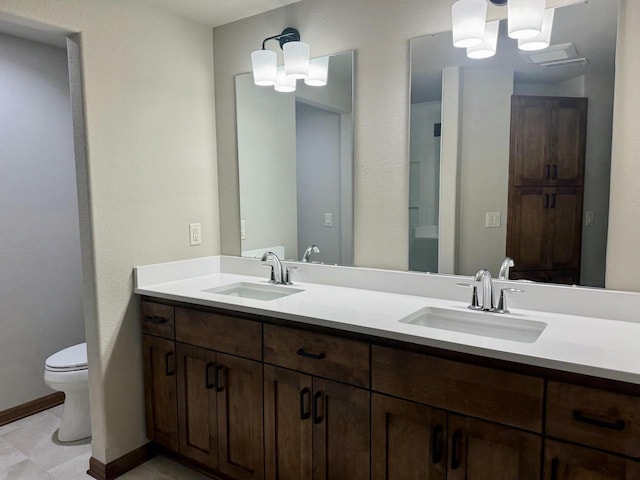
510 155
295 156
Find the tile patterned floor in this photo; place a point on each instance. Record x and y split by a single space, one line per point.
29 450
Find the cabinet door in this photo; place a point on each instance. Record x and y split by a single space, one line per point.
527 229
197 409
287 423
569 127
483 451
341 418
160 390
240 418
408 440
530 141
565 227
570 462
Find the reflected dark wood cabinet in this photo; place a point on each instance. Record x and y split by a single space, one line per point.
256 399
546 175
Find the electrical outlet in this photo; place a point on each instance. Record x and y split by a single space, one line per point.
195 234
243 230
590 218
328 220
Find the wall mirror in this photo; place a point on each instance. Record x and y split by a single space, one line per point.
510 155
295 156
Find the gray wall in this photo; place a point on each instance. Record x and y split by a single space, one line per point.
40 273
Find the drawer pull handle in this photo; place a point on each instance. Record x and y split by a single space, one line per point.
220 374
304 404
156 320
455 450
317 417
167 370
436 445
555 466
618 425
548 173
554 176
207 384
315 356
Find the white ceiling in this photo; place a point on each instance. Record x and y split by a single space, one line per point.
217 12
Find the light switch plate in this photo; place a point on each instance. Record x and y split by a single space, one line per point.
492 220
243 230
195 234
328 220
589 218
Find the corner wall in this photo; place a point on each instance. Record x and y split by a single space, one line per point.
151 150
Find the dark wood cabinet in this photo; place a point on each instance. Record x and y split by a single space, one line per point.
480 450
571 462
408 440
160 390
544 228
315 428
302 413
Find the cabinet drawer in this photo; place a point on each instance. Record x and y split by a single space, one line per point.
158 319
598 418
323 355
503 397
226 334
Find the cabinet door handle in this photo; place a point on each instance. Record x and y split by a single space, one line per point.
304 403
317 417
207 368
555 466
436 444
554 175
315 356
548 173
220 374
156 320
618 425
168 371
553 200
455 449
546 200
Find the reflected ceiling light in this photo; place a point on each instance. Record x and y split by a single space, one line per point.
296 63
525 18
542 41
468 19
490 43
284 83
318 72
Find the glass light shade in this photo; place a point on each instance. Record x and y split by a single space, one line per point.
318 72
265 67
296 59
284 84
488 47
542 41
525 18
468 18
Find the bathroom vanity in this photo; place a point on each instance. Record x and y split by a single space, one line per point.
253 389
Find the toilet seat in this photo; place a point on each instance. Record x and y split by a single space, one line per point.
70 359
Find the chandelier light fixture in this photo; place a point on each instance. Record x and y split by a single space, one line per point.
527 20
297 65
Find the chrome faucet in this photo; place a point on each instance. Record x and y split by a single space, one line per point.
308 252
277 272
507 263
484 277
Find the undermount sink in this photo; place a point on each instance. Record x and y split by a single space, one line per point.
485 324
254 291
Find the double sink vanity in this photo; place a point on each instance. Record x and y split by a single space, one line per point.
349 374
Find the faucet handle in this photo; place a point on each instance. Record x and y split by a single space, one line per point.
502 303
287 275
475 304
272 277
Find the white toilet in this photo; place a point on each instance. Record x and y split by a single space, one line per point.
66 371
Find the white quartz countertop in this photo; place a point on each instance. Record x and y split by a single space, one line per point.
585 345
